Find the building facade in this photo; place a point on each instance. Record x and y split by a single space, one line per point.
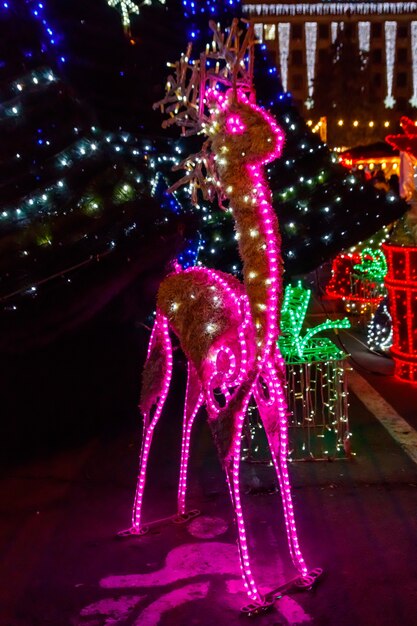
300 33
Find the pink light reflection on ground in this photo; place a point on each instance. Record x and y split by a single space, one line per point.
211 560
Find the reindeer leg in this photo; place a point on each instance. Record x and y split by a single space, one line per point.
236 415
155 385
193 401
272 408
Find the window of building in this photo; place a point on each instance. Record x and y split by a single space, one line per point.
297 82
377 80
269 32
323 31
297 57
401 79
376 56
376 30
402 55
297 31
402 31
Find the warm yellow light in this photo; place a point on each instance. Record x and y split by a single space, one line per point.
360 167
386 124
383 165
340 122
309 122
356 123
371 166
394 166
371 124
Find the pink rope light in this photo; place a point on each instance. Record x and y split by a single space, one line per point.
161 332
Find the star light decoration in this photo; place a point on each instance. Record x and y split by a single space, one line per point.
127 8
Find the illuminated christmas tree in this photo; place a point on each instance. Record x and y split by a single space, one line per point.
323 208
77 220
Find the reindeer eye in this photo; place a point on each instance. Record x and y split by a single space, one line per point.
235 125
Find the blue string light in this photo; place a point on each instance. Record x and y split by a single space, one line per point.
38 11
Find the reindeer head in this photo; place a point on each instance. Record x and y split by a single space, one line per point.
213 96
241 132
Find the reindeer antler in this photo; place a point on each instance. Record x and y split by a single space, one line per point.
228 63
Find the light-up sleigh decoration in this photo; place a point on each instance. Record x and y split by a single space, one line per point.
227 330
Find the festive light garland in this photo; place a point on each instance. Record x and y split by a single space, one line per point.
334 27
331 8
284 48
258 29
413 99
311 47
364 36
390 47
38 11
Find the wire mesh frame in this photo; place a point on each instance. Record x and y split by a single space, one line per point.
318 423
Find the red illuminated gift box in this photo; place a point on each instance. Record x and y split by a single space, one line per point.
401 283
349 286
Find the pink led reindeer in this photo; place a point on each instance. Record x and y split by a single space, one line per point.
227 330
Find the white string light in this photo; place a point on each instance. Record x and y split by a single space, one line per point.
390 41
332 8
413 99
334 30
284 47
311 45
258 29
364 36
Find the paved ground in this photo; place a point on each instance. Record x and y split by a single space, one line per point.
62 565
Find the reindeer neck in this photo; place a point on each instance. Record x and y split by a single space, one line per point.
259 245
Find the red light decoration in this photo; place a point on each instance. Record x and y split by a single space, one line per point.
401 282
345 284
406 142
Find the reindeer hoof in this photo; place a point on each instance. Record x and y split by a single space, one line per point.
309 580
133 532
186 517
258 608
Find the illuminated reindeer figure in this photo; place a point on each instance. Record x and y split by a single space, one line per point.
227 330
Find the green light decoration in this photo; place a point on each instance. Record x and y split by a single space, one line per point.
127 8
373 265
309 348
317 392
